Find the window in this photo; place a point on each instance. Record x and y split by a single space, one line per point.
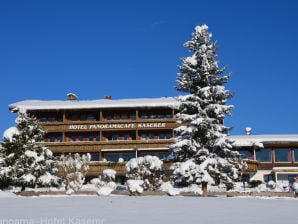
116 117
282 177
51 119
94 156
291 177
83 117
59 138
264 155
282 155
168 136
296 155
90 118
245 178
128 156
246 154
168 116
144 116
73 138
52 139
161 136
111 157
268 177
43 119
74 117
162 155
124 117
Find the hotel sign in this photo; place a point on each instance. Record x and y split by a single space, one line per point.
116 126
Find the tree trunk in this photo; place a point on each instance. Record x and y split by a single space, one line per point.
204 189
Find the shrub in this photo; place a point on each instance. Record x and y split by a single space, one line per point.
254 183
74 169
148 171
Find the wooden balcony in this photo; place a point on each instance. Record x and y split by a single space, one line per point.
96 168
87 126
64 147
252 165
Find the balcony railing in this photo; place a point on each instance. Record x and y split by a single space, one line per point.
252 165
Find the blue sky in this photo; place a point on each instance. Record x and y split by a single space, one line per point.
131 49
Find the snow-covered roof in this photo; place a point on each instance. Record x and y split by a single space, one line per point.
281 169
92 104
259 140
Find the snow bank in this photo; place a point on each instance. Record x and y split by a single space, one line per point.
168 187
7 194
148 210
107 189
173 191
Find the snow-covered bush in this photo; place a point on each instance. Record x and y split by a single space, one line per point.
25 161
105 182
271 184
148 169
74 168
295 187
109 175
254 183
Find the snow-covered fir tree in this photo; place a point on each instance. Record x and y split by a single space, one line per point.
25 160
201 138
74 168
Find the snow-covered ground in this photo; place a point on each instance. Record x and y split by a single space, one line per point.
145 209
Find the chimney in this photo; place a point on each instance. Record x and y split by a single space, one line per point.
72 97
248 131
108 97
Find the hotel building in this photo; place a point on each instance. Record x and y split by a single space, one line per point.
114 131
269 157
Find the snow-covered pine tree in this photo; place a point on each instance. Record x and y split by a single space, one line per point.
26 162
201 137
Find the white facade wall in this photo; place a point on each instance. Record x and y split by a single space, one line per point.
259 175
